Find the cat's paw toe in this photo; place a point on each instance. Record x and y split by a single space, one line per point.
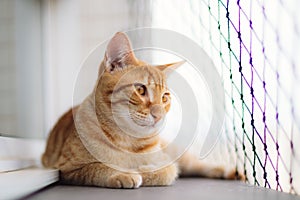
129 181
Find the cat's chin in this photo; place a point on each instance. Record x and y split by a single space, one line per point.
147 130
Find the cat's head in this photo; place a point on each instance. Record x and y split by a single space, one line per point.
132 91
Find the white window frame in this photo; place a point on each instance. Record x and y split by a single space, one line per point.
20 167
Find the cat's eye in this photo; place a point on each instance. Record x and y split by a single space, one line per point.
141 89
165 97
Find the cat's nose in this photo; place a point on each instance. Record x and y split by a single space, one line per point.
157 112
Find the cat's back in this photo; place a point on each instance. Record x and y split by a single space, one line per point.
57 137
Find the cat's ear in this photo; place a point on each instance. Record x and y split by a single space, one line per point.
172 66
119 53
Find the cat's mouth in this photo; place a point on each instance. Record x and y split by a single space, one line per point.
144 121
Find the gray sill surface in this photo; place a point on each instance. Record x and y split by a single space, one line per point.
185 188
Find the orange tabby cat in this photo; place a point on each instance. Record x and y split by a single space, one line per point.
119 119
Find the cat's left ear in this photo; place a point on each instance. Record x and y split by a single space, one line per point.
119 53
172 66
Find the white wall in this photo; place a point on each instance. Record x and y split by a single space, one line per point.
7 68
21 100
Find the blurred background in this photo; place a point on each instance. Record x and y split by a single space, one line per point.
42 46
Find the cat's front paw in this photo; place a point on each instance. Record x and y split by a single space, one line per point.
129 181
162 177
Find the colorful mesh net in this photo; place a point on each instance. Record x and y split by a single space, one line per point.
256 46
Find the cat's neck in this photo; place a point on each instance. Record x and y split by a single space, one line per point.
125 140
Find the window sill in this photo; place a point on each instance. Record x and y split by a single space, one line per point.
17 184
17 176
